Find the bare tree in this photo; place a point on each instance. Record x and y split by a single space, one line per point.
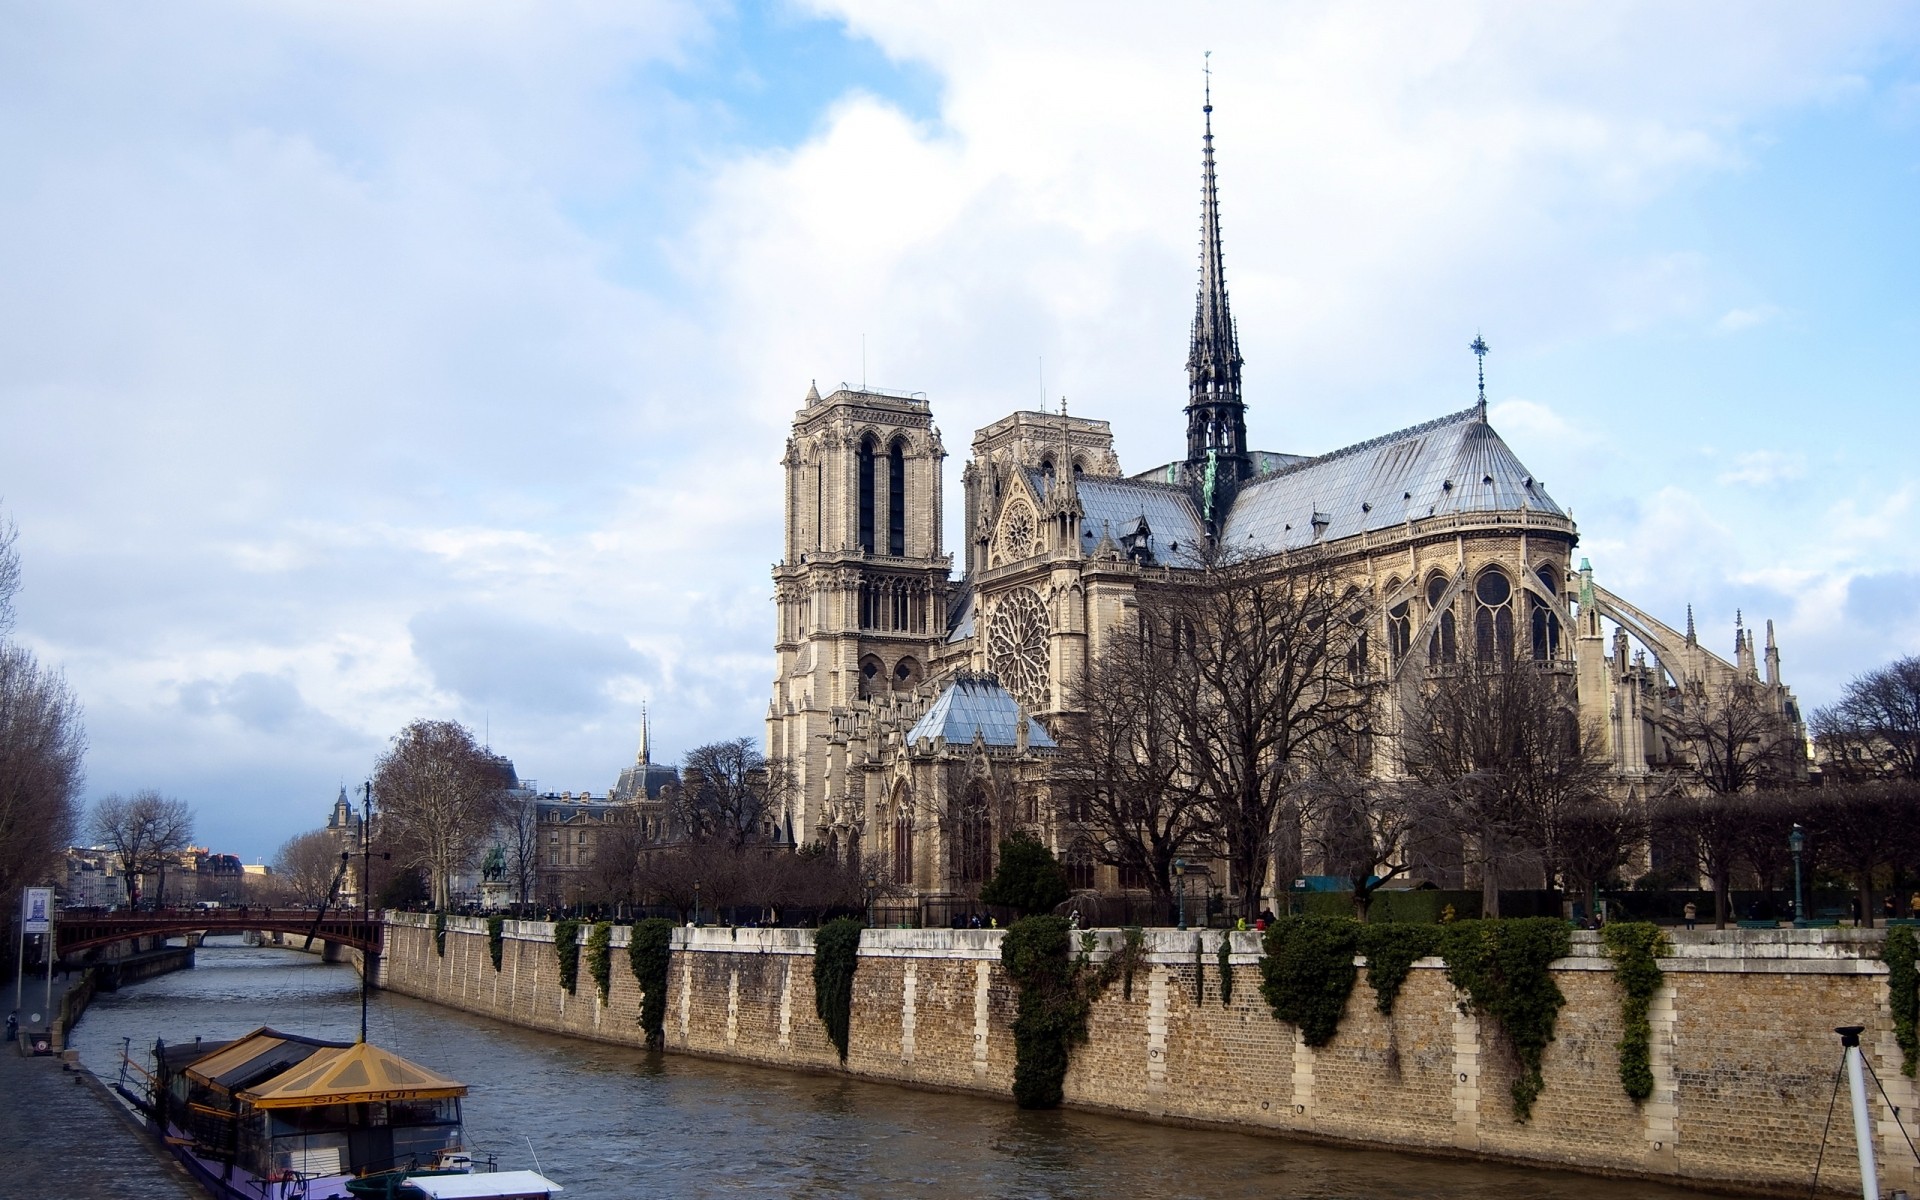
1857 828
441 794
1363 828
147 831
1736 741
1258 677
731 793
1501 741
307 866
9 571
517 834
1597 839
42 753
1874 728
613 876
1119 774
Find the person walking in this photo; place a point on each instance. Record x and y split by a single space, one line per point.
1688 913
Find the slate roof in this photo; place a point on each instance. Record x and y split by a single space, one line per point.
1114 507
970 703
1456 464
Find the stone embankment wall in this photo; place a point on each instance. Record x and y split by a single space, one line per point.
1744 1057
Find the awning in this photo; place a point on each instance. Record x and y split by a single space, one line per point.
351 1075
263 1054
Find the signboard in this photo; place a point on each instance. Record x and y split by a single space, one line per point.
36 910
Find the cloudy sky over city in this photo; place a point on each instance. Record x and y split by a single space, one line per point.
369 361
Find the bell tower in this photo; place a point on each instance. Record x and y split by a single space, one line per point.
862 593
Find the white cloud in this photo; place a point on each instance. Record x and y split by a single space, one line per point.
1759 468
1737 320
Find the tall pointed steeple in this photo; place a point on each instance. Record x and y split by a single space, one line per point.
644 758
1216 415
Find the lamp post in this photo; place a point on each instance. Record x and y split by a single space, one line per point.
696 902
1180 883
870 887
1797 841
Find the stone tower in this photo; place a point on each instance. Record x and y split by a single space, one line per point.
862 592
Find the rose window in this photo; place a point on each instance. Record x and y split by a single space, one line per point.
1017 646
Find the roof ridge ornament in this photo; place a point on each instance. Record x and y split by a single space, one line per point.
1479 347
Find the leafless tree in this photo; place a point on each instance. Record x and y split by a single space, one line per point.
1258 678
9 571
1736 741
42 751
1597 838
146 831
307 864
614 874
1502 743
1874 728
517 834
1364 828
731 793
440 793
1119 775
1856 828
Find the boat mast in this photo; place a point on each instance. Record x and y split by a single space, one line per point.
366 895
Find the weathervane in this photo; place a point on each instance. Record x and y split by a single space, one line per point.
1479 348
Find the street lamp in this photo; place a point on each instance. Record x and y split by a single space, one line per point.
1797 841
696 902
1180 882
870 887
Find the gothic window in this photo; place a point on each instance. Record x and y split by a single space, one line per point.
869 675
1546 626
1046 476
1017 646
973 847
1357 649
1492 616
865 459
906 674
1442 649
1134 878
1079 864
902 839
1017 529
1399 625
897 499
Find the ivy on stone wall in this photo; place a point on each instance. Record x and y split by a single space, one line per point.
496 938
1899 953
1391 950
1633 946
836 955
1052 1011
1226 969
566 951
1308 973
1199 969
440 933
648 950
600 956
1501 965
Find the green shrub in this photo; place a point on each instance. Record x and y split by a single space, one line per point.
1633 946
1501 965
649 949
440 932
1391 951
1052 1011
1133 951
836 955
600 956
1029 878
566 951
1901 949
1226 969
1308 972
496 938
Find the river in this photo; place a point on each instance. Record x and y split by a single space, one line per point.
612 1122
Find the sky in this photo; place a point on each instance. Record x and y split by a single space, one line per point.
365 362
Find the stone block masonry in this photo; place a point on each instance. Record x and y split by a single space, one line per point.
1744 1057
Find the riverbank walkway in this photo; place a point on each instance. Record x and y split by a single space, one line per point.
62 1134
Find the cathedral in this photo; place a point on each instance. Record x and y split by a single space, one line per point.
918 710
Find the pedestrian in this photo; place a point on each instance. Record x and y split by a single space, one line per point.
1074 921
1913 906
1689 913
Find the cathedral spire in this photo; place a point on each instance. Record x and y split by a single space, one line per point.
644 757
1479 347
1216 415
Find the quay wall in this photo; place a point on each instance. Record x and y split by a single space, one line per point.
1744 1057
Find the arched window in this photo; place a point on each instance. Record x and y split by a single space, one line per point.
1079 865
1399 625
902 839
897 498
869 675
865 461
1046 476
1357 649
973 847
1546 625
1492 616
1442 648
906 674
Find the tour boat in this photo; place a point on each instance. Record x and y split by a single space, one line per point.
276 1116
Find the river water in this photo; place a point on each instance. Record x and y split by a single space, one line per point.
612 1122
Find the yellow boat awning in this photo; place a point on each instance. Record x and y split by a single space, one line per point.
351 1075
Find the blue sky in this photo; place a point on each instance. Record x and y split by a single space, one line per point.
373 361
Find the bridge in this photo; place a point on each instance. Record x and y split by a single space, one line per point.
75 931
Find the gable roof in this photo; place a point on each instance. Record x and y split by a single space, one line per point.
1456 464
971 704
1114 507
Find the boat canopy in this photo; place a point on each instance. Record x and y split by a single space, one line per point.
262 1054
351 1075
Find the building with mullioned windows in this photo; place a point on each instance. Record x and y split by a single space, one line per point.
918 709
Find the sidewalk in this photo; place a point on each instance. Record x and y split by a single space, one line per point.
62 1135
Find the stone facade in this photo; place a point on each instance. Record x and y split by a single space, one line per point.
1743 1054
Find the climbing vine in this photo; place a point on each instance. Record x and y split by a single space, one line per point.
648 950
1900 952
1391 951
1226 969
600 956
1199 969
1501 965
496 938
836 955
1633 946
1132 952
440 932
1057 991
566 951
1308 973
